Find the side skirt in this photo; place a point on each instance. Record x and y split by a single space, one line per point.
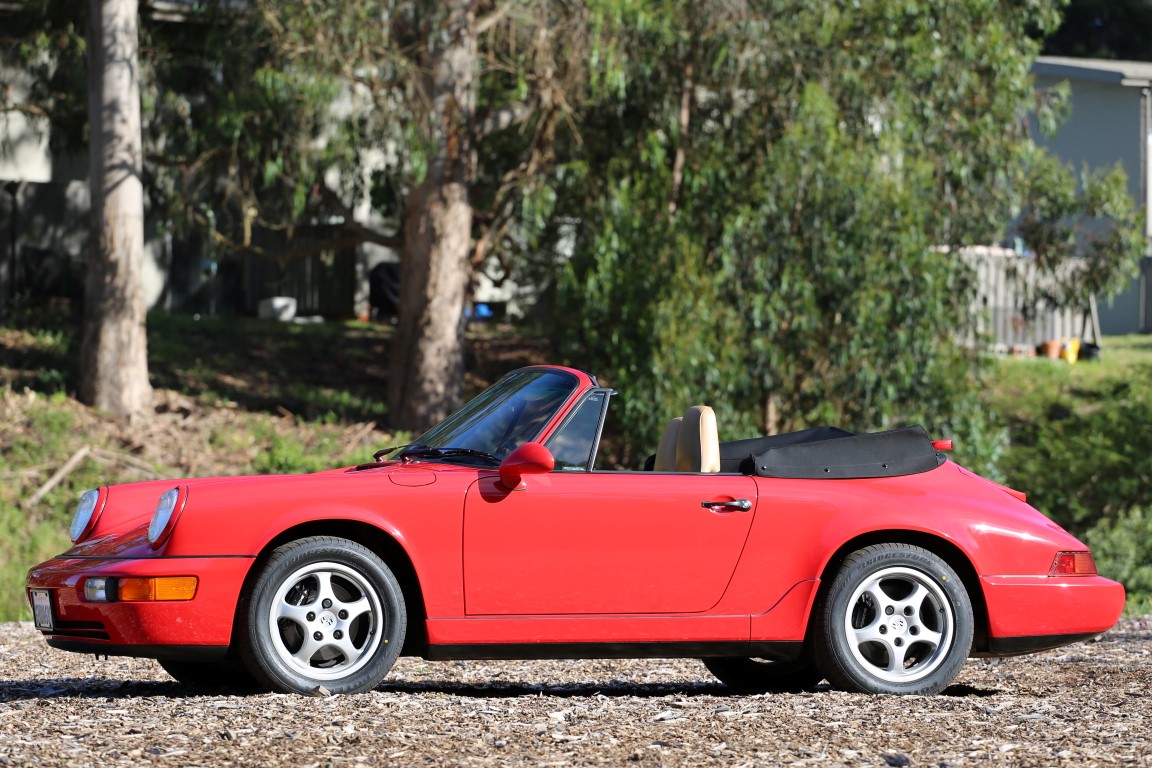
173 652
783 650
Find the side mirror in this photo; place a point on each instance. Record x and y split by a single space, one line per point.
528 459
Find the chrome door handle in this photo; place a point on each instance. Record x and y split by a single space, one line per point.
739 505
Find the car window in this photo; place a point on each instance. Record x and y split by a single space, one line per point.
573 443
510 413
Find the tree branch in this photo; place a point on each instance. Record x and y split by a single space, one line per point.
687 87
26 109
365 233
492 19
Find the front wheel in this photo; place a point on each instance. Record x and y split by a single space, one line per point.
896 619
751 675
322 612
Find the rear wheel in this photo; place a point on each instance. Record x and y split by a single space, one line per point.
896 619
323 613
751 675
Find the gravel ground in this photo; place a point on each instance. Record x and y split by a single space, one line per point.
1085 705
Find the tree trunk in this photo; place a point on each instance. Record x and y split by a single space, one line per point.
114 355
427 368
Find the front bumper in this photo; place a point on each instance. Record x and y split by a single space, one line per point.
176 629
1032 613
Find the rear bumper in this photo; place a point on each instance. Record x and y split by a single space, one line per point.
178 629
1035 613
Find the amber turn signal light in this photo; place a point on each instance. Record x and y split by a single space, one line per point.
156 589
1073 564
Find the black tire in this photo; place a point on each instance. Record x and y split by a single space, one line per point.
896 619
224 676
323 613
751 675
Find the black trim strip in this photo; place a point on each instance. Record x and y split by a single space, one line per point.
777 650
174 652
1018 646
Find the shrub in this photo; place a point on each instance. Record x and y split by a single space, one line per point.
1122 546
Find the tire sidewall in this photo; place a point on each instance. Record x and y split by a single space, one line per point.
257 646
836 658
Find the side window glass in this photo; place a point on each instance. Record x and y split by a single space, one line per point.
572 445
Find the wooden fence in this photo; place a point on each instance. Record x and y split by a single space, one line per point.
1005 318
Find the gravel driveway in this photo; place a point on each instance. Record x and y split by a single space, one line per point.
1085 705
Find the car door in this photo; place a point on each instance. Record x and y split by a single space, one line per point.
604 542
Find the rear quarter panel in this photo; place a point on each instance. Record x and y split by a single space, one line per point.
801 525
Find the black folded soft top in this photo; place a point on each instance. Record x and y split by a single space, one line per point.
832 453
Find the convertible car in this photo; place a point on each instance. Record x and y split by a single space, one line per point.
870 561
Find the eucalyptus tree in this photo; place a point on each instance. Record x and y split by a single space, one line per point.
772 199
114 346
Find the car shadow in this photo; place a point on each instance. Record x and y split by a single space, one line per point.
616 689
89 688
111 689
960 691
511 690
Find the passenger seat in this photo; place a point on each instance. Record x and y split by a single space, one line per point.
697 441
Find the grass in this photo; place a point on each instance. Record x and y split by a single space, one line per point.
1025 388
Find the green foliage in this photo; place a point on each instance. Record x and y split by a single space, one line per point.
1122 546
1078 445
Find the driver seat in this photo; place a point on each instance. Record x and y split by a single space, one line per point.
666 452
698 441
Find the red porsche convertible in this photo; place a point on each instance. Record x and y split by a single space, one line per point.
869 560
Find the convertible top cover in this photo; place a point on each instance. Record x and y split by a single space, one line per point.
846 456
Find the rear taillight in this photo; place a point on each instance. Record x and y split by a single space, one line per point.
1073 564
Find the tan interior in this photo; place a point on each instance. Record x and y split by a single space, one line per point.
697 441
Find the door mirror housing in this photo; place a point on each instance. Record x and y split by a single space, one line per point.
528 459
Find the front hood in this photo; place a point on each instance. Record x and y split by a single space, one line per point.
237 501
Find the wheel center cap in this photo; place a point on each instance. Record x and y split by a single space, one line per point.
327 619
898 625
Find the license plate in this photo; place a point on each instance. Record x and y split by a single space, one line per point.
42 609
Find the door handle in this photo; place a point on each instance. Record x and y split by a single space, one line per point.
738 505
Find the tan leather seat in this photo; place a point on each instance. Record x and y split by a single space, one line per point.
666 452
698 442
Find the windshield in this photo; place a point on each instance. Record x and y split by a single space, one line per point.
503 417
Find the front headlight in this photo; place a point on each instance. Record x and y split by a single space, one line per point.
164 518
85 518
